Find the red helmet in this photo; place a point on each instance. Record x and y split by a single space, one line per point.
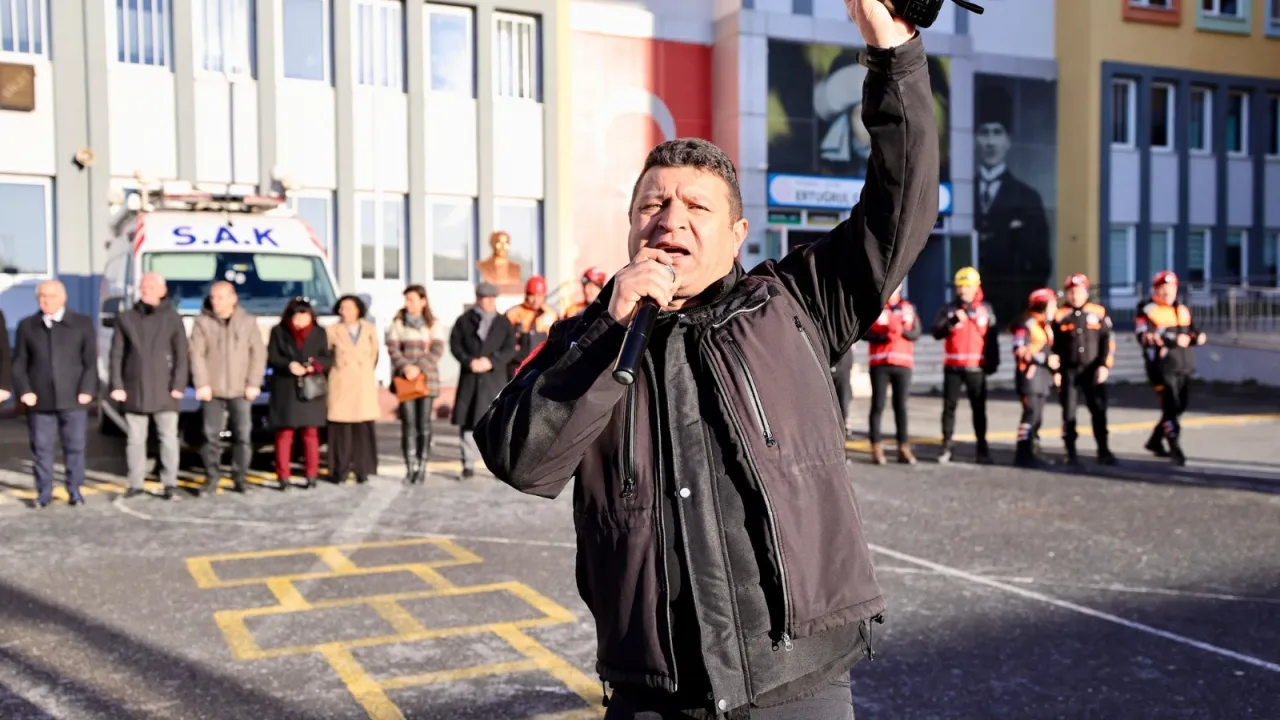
536 286
1042 297
595 276
1163 277
1078 280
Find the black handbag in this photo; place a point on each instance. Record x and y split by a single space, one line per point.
312 387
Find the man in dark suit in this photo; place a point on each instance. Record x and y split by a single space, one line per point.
55 376
1013 230
484 342
6 362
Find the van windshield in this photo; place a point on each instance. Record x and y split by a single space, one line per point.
265 282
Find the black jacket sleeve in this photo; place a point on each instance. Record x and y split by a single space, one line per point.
280 351
913 333
181 361
6 356
21 380
943 322
991 346
88 384
507 350
845 278
457 346
115 374
535 433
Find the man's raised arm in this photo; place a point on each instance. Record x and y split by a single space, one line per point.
535 433
845 278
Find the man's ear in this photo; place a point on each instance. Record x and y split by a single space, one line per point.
739 234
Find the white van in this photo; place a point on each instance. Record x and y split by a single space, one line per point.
195 239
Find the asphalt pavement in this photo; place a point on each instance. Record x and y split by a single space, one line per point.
1142 591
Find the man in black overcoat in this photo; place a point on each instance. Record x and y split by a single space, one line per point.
55 376
483 341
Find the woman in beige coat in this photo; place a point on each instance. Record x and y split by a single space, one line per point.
353 393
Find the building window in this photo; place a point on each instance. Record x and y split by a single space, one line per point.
26 223
1237 122
451 228
1222 8
1273 18
1237 260
23 24
1123 111
306 39
1161 116
522 220
316 210
1160 251
1271 258
450 51
1198 256
1121 259
1273 123
382 234
143 32
227 37
380 43
1156 4
516 59
1200 120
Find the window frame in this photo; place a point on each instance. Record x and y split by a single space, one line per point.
1207 234
430 9
1148 4
1171 97
248 34
1271 238
540 249
1271 24
471 248
1244 251
165 44
1130 112
533 75
1273 122
1124 287
1246 98
46 184
1206 120
1169 237
330 200
326 46
365 51
380 199
1216 12
26 56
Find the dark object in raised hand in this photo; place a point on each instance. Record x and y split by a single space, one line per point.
922 13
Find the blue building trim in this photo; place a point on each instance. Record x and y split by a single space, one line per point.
1183 80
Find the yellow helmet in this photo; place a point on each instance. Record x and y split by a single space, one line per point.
967 276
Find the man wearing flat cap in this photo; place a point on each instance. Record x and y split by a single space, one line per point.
1013 231
483 342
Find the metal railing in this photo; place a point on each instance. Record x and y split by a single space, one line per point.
1230 313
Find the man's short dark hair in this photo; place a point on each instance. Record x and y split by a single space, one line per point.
695 153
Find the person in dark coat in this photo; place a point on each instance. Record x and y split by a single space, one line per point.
55 375
6 361
1013 229
484 343
297 347
149 371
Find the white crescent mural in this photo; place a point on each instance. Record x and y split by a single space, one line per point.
632 101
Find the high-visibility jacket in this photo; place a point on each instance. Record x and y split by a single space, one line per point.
1167 322
892 337
1032 346
969 344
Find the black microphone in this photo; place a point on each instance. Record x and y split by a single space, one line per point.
922 13
636 340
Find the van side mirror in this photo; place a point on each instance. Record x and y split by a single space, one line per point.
111 307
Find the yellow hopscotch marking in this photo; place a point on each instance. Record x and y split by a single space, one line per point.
1205 421
371 693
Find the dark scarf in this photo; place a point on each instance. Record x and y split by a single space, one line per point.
300 335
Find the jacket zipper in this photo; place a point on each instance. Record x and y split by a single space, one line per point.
784 640
741 359
813 353
658 485
629 446
872 622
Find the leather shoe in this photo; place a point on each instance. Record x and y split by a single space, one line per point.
77 499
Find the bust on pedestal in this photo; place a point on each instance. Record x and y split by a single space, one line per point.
498 267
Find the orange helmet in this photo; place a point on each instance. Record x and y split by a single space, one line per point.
1078 280
537 285
1042 297
595 276
1163 277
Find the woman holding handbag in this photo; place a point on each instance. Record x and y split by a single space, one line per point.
353 393
298 358
415 349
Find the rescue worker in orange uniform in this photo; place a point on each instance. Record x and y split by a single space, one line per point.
1166 333
593 281
891 357
532 320
1083 342
971 352
1036 370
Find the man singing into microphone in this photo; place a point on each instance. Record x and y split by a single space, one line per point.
720 548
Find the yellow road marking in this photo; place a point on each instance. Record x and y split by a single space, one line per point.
1205 421
572 677
471 673
336 560
287 594
398 618
365 689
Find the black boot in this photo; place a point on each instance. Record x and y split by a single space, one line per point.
1025 456
409 450
420 466
238 478
1155 443
1175 452
984 453
1072 458
1105 456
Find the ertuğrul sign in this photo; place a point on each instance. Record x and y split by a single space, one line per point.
17 87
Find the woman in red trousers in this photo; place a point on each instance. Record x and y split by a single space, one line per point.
297 348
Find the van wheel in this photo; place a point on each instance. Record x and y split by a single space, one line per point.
107 426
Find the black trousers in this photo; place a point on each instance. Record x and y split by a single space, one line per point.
215 413
882 378
1029 423
974 383
415 429
45 430
841 376
1174 394
833 701
1077 383
353 448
